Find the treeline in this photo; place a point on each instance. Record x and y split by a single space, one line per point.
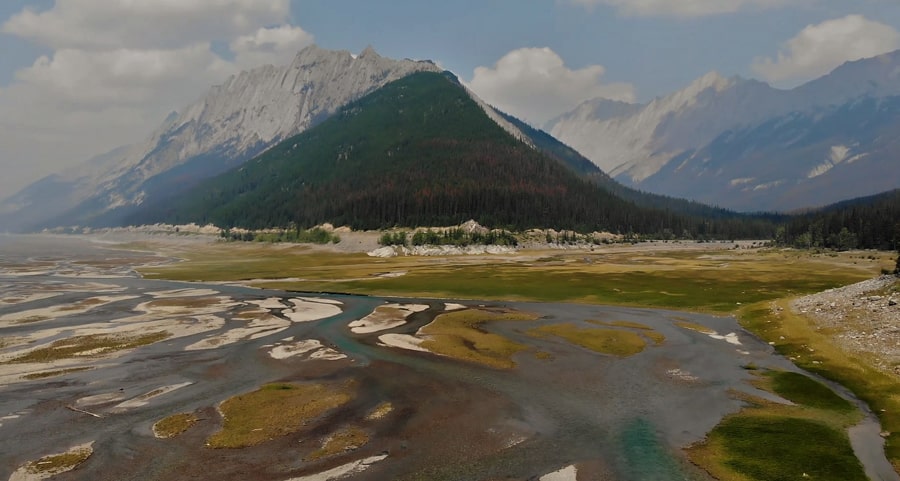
294 235
454 237
866 223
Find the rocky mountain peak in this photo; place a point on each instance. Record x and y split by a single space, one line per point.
257 108
875 77
369 52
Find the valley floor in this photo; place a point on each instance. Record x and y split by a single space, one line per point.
667 356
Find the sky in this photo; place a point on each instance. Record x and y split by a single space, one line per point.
81 77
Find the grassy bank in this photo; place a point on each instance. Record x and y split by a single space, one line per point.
92 345
275 410
459 335
772 441
174 425
794 336
614 342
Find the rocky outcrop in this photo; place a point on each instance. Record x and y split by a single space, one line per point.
864 317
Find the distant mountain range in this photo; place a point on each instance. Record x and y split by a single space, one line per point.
744 145
373 142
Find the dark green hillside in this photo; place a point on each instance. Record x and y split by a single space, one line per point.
868 222
417 152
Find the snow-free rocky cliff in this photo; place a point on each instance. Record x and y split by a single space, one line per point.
235 121
745 145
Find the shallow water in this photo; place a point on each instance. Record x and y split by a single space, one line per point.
625 419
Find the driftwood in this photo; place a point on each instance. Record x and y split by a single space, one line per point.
82 411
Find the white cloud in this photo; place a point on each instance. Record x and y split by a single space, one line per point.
118 67
270 45
685 8
818 49
143 23
534 84
81 78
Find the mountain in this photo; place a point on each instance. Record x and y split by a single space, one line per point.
49 196
745 145
234 122
423 151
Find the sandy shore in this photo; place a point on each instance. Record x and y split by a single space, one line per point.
288 348
402 341
343 471
308 310
569 473
386 317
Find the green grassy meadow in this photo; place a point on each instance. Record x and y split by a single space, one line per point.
706 281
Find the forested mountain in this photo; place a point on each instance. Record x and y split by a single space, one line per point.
421 151
869 222
235 121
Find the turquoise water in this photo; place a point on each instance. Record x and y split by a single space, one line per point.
643 457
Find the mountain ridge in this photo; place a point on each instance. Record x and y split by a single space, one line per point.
642 145
417 152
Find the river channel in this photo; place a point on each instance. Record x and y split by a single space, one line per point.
614 418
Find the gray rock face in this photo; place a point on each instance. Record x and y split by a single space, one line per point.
716 141
237 120
269 104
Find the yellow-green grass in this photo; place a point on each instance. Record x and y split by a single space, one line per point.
544 356
192 303
771 441
692 326
626 324
614 342
657 337
800 389
275 410
250 314
796 337
61 372
459 335
174 425
708 280
94 345
347 439
59 463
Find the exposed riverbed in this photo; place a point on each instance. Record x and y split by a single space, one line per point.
563 411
